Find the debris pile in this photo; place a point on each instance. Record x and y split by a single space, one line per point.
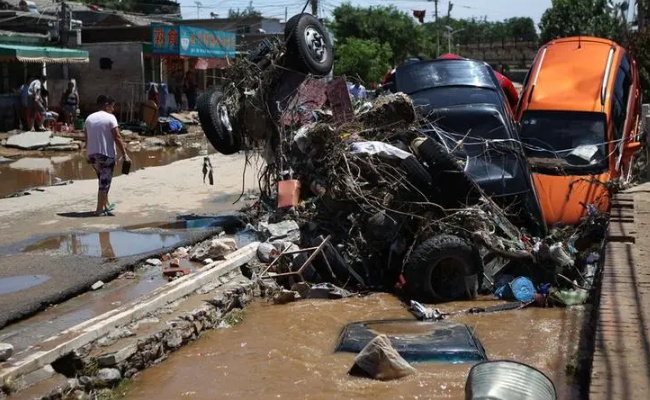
371 199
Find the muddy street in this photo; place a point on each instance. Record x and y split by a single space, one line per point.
30 172
287 352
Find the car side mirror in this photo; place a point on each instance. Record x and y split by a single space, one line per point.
632 147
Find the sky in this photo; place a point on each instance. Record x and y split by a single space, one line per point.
494 10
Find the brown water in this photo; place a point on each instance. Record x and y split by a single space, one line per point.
286 352
32 172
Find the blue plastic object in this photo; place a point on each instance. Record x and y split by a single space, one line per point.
502 287
523 289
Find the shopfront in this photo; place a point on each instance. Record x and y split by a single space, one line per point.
180 50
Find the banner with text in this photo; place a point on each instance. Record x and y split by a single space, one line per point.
192 42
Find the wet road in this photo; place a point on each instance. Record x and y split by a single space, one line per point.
286 352
32 172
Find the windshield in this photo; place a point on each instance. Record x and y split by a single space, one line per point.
430 99
565 139
424 75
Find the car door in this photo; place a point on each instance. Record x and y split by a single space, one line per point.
621 115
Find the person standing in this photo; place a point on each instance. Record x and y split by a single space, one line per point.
102 134
70 103
36 107
178 90
189 85
24 105
358 91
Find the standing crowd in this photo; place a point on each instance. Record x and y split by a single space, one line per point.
34 109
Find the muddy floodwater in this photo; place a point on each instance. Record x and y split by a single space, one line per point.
286 352
29 172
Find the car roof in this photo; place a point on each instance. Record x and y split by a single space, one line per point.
571 74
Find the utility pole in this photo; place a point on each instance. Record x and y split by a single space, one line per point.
286 14
435 19
65 23
198 9
314 7
449 8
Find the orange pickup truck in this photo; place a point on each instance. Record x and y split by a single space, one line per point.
579 113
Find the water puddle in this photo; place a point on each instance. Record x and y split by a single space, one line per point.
106 244
287 352
236 198
32 172
229 223
14 284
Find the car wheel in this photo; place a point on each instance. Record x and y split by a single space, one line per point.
418 176
216 125
309 45
455 187
438 268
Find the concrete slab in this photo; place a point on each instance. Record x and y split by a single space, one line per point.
69 340
60 141
29 140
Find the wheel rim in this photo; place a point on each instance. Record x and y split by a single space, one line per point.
316 44
447 278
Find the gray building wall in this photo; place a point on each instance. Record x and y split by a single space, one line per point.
127 67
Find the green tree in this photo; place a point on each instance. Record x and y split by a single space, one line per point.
386 25
365 59
248 12
521 29
580 17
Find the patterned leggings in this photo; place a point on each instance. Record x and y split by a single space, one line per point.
103 166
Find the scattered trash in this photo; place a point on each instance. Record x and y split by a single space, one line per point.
97 285
267 252
508 380
6 351
176 272
326 290
215 249
154 262
285 296
523 289
379 360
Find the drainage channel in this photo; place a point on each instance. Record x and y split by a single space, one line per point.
287 352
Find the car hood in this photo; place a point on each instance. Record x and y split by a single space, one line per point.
564 198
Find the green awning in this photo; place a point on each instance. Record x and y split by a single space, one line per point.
39 54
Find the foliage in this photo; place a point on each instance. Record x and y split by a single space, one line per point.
386 25
483 31
367 60
138 6
235 317
638 44
581 17
406 38
248 12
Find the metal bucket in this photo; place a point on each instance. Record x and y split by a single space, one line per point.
507 380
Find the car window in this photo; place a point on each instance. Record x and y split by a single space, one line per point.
567 137
620 98
416 77
472 123
427 100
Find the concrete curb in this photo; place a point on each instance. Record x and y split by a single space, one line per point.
86 332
